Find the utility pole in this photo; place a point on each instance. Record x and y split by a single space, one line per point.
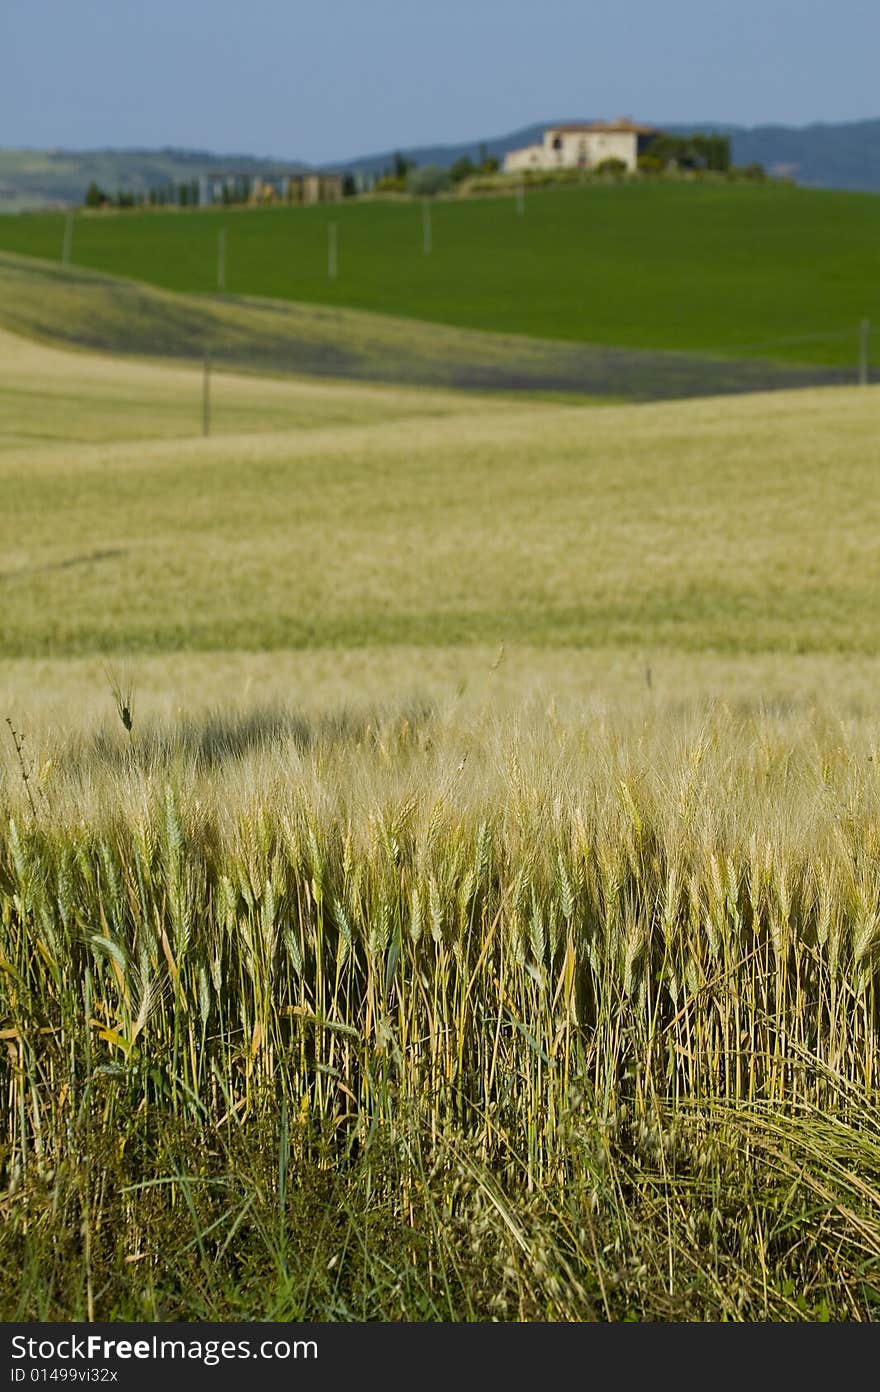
427 241
68 240
206 396
221 259
864 351
332 257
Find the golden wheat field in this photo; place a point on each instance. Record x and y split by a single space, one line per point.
438 852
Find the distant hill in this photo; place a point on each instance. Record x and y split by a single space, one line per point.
845 156
46 178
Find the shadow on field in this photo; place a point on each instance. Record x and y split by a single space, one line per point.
107 314
83 559
216 738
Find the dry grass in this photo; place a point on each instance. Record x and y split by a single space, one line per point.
64 696
400 977
52 395
738 526
604 984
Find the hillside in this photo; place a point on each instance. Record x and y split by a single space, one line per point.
743 526
727 270
51 395
90 310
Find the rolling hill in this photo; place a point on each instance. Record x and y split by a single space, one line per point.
341 518
728 271
89 310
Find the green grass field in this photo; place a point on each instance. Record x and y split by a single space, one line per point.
88 309
734 270
438 852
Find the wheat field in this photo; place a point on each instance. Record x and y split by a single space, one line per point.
475 913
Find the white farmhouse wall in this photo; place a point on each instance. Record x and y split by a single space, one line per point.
576 148
530 157
621 145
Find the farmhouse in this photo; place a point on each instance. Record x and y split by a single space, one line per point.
584 146
312 187
322 188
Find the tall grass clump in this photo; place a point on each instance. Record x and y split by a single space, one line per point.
416 1017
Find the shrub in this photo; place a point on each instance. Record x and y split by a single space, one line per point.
95 196
697 151
427 180
462 169
613 166
390 183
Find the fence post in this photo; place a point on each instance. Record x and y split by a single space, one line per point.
332 258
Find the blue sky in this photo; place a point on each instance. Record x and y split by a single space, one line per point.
325 81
